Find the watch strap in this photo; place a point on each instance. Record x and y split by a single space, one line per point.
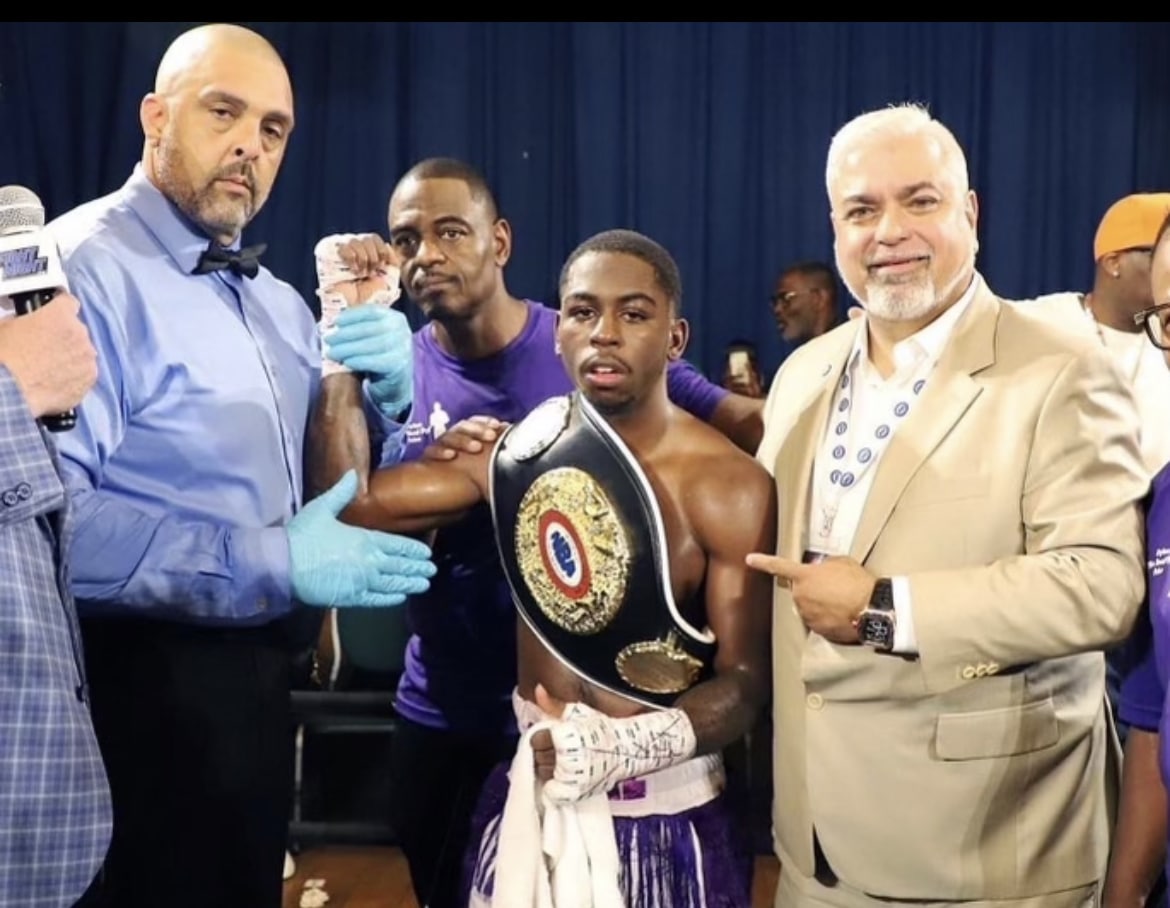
882 598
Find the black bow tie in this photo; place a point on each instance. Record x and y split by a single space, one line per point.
245 263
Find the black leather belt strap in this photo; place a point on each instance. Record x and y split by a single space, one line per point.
584 549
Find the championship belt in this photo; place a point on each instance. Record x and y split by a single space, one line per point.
583 546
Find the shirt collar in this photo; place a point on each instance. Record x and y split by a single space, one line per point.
182 240
927 342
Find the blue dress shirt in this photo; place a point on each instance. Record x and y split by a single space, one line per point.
187 457
54 801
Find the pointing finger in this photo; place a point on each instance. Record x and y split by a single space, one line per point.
782 568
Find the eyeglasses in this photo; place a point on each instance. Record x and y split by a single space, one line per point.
787 296
1152 320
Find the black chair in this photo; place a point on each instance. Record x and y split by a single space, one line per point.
344 731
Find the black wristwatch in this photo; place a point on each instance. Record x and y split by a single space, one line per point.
875 624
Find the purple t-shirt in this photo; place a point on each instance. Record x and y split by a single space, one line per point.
461 657
1142 702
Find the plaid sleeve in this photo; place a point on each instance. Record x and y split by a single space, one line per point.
54 802
29 483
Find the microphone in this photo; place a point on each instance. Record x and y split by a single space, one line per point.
30 267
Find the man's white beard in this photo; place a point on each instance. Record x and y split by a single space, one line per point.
909 300
901 302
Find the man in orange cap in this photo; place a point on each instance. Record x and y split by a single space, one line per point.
1121 287
1122 249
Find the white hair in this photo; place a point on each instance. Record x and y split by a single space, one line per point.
906 119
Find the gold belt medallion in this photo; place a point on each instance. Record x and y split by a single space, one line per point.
658 666
572 550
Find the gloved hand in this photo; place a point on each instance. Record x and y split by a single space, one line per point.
333 564
376 340
593 751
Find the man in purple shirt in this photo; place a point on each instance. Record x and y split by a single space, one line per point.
484 352
1139 852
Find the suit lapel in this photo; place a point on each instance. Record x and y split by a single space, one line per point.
794 461
949 392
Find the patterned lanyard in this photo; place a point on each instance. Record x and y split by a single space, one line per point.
851 458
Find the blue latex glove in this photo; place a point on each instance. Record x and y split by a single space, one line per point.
376 340
334 564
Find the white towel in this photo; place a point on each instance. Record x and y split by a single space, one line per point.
553 855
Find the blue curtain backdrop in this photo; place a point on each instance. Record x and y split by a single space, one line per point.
710 137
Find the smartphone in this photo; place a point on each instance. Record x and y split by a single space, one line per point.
739 364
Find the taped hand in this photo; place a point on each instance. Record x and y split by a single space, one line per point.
595 751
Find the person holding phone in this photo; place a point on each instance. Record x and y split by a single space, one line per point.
741 369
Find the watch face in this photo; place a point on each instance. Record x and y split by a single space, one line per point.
877 630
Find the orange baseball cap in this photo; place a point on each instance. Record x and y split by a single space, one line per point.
1131 223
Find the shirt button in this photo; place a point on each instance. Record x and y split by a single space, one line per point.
24 490
10 498
815 701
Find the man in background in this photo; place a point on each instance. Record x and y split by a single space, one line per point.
192 549
1122 249
805 301
1138 862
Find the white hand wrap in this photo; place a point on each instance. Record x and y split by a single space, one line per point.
332 272
595 751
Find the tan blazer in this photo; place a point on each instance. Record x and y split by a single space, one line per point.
1010 498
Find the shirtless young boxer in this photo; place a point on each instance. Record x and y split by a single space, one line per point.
623 524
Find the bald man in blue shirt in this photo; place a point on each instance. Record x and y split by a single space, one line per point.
192 548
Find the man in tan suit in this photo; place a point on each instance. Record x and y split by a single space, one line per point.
959 539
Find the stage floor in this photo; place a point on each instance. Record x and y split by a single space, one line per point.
370 877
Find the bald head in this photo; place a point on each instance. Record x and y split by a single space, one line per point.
216 126
192 51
